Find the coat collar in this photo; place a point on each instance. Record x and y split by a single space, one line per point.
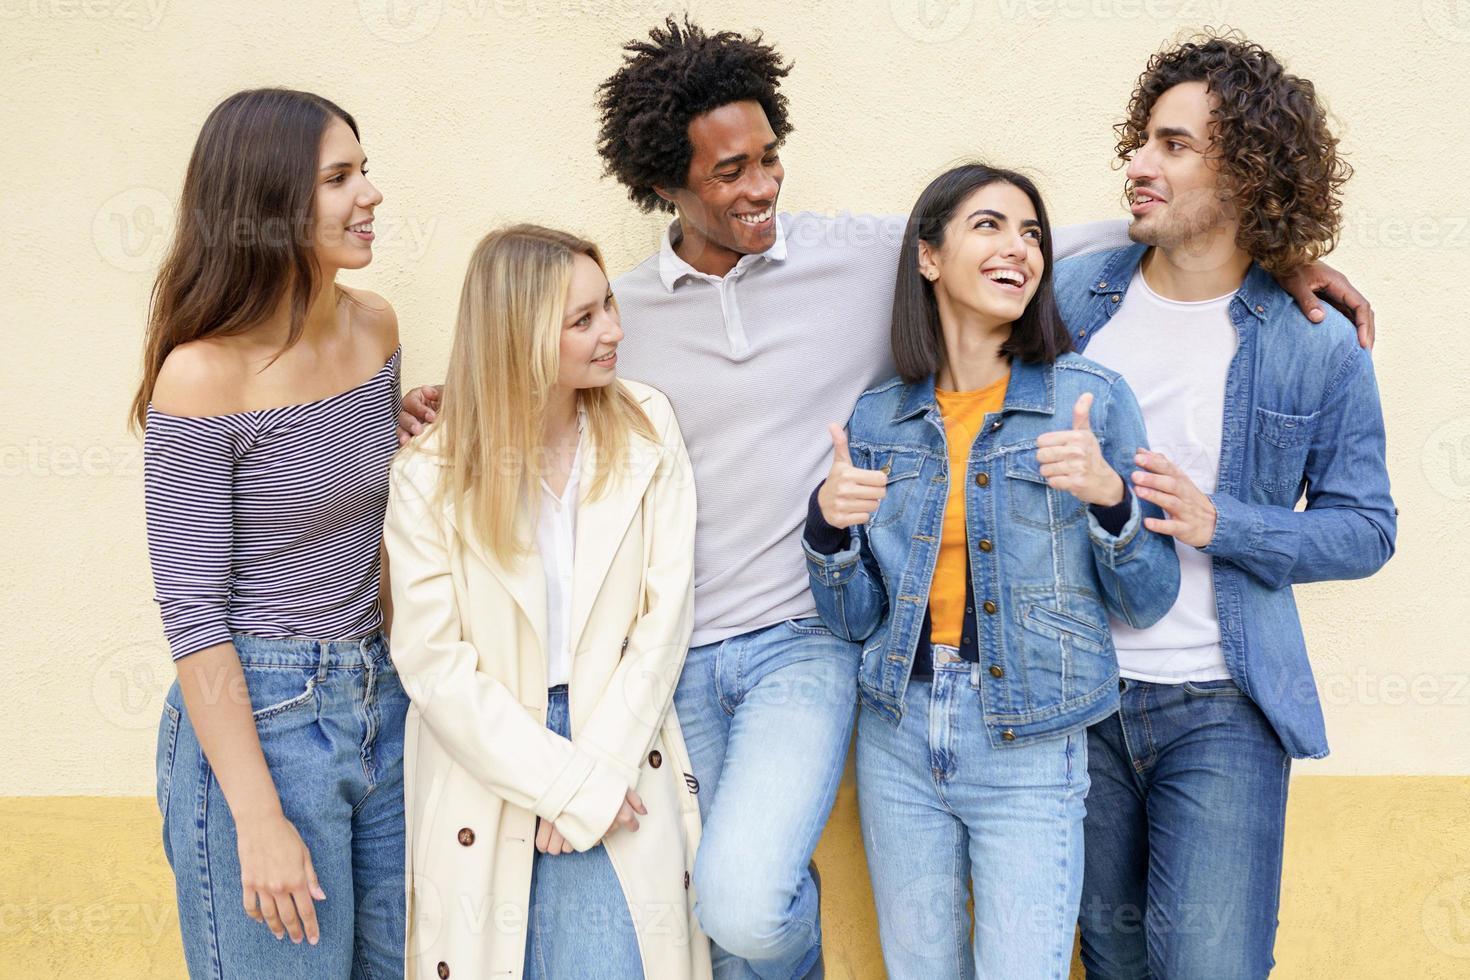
602 523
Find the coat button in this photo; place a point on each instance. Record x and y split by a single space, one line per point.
996 670
986 546
1008 735
982 479
655 759
443 970
686 881
466 836
625 643
990 607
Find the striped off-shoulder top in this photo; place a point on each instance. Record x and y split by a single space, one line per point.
268 522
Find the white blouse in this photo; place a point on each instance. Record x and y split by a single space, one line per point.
556 535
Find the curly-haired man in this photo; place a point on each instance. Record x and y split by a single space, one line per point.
1233 178
761 328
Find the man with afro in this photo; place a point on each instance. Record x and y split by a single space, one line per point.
761 328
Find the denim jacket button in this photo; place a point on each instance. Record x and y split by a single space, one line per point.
982 479
1008 735
990 607
996 670
985 545
1117 298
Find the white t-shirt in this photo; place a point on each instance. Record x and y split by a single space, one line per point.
556 536
1175 356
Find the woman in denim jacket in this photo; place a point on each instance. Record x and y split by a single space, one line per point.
974 533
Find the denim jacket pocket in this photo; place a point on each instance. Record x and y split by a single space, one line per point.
902 470
1030 499
1281 444
1052 622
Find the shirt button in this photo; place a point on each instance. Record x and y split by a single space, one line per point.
1117 298
1008 735
466 836
982 479
986 546
996 670
990 607
655 759
1102 284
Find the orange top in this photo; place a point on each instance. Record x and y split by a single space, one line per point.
964 414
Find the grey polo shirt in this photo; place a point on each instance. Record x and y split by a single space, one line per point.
756 364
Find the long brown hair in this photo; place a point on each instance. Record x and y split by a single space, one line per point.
503 366
243 237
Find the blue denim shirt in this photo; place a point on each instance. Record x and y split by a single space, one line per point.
1045 573
1301 414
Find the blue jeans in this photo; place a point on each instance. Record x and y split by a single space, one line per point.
1185 827
330 719
579 923
767 718
946 815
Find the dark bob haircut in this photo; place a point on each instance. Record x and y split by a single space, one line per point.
678 73
1037 336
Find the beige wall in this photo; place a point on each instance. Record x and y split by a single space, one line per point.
476 112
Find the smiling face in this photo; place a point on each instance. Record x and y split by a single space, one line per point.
727 207
1174 186
990 262
590 330
342 234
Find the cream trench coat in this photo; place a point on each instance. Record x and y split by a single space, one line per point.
469 642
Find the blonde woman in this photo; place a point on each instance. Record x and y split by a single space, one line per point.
540 538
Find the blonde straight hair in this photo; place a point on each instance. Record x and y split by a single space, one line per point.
502 369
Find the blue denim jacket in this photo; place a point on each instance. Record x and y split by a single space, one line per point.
1301 413
1044 571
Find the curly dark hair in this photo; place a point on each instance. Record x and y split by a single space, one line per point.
664 82
1278 157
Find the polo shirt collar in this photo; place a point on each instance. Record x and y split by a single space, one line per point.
671 268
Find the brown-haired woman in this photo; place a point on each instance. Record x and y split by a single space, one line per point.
269 406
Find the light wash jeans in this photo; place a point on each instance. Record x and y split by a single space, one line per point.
1184 836
579 923
945 814
767 717
330 718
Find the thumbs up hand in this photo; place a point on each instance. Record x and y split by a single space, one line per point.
1072 460
850 495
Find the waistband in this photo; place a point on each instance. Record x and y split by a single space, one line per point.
271 651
